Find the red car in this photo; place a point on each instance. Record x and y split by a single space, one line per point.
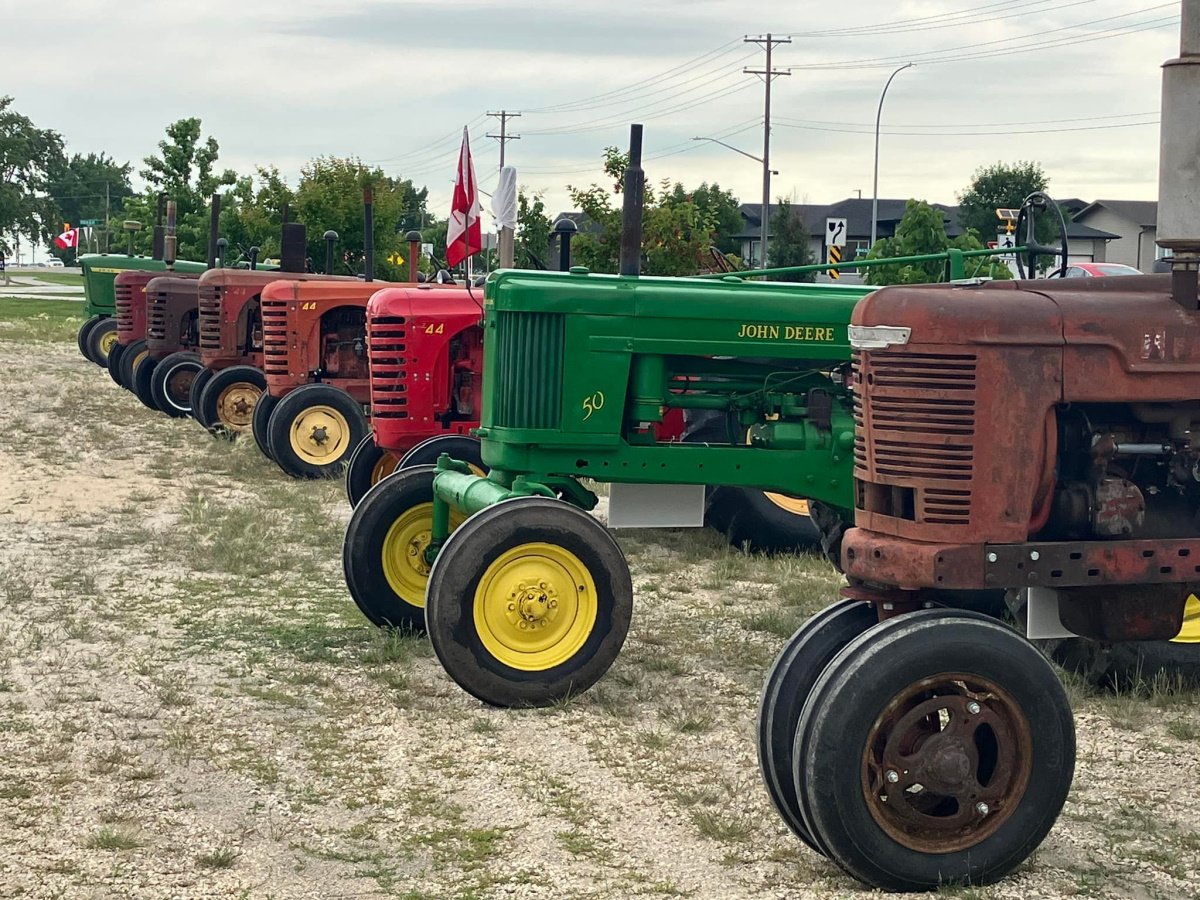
1094 270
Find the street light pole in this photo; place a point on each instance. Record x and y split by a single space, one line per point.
875 192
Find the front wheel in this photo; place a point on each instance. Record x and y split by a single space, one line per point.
140 377
369 464
81 337
260 419
773 523
113 364
228 399
937 748
171 383
528 602
457 446
130 357
101 339
314 429
198 384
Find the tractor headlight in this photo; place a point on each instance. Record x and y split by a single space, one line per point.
877 337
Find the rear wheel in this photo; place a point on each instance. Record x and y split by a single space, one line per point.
937 748
85 330
101 339
314 429
259 421
383 555
141 376
369 464
229 398
171 383
458 446
198 383
529 601
114 362
762 520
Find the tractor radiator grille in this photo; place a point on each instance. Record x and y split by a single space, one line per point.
123 294
275 337
529 370
156 315
210 316
387 349
914 451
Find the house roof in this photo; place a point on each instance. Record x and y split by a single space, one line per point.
857 213
1143 213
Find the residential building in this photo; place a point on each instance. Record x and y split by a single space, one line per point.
1134 222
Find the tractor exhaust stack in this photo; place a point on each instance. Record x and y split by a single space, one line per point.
214 228
368 234
414 255
156 244
1179 161
631 210
331 237
169 238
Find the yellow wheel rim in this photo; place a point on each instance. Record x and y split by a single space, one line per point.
404 547
138 359
385 467
108 340
1190 632
320 435
235 405
535 607
794 505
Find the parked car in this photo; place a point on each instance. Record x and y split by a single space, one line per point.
54 263
1099 270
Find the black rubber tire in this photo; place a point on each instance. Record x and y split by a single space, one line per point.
459 446
748 518
104 327
170 397
464 560
81 337
261 419
114 362
789 682
363 550
202 378
857 687
297 403
125 364
363 472
141 376
208 412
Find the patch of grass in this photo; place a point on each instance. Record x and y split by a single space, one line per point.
579 843
221 858
114 838
720 826
689 720
780 622
23 321
1184 730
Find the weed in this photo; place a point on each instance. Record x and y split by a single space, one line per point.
114 838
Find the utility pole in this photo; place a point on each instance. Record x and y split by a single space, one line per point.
768 75
107 212
504 137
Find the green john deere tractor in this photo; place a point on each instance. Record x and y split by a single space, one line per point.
527 598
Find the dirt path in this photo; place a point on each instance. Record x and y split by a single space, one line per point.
190 706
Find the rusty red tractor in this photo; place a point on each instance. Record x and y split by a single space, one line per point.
1037 437
231 378
162 378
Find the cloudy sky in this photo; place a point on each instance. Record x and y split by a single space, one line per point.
1073 84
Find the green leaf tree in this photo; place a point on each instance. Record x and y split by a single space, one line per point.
790 242
28 156
534 231
88 187
1005 186
923 231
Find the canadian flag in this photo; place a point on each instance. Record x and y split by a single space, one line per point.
463 236
68 239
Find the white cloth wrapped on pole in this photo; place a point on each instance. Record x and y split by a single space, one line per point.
504 199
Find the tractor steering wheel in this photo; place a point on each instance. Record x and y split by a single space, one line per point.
1039 200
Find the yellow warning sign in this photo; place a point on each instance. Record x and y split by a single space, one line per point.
395 259
835 257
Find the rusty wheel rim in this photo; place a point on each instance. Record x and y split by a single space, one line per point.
946 763
235 405
179 387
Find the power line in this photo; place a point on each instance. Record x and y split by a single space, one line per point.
943 20
1151 112
971 133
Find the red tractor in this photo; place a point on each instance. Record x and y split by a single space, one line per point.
162 379
1037 437
231 380
129 290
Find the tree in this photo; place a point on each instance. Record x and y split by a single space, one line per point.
330 195
185 171
27 157
88 187
534 231
1003 186
790 242
719 209
922 231
675 235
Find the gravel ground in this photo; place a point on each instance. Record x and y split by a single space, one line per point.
191 706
